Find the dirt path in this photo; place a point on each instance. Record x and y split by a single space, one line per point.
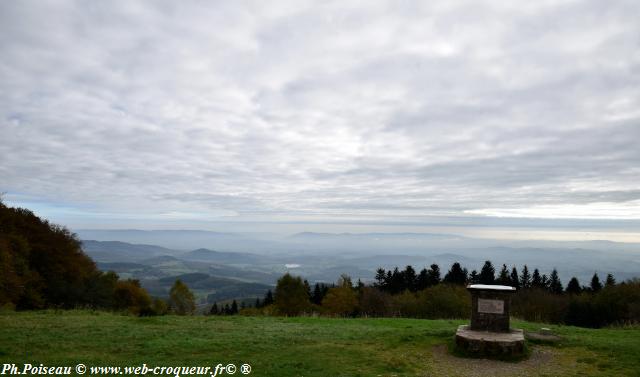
544 361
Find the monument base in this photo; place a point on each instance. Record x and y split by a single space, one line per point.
490 344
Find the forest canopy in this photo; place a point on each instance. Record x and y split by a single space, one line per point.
42 265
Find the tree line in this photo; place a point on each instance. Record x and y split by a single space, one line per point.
397 281
427 294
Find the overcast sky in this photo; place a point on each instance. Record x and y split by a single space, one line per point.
191 114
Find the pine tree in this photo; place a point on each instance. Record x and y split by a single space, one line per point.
611 281
308 288
409 279
595 283
555 285
381 279
503 277
474 278
525 278
268 298
433 275
214 309
234 307
574 286
258 304
227 310
487 273
456 275
536 279
359 286
316 297
514 280
421 280
397 281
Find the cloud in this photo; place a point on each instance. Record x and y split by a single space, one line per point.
305 109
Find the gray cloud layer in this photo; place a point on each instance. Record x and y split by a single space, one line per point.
199 109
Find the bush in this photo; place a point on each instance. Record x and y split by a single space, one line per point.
130 296
374 303
444 301
539 305
340 301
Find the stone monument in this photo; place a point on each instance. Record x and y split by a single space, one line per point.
490 333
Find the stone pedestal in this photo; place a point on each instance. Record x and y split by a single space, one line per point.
489 333
485 343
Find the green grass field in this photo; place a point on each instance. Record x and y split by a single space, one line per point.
299 346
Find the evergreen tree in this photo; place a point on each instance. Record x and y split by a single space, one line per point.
574 286
214 309
514 280
456 275
433 275
359 286
555 285
503 277
268 298
316 297
596 286
421 281
227 310
307 287
474 278
487 273
525 278
396 282
234 307
611 281
536 279
381 279
545 281
258 304
409 279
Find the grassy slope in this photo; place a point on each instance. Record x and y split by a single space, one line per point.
293 346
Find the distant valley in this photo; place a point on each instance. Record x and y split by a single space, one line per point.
224 266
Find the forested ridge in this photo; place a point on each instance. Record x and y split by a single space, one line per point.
42 265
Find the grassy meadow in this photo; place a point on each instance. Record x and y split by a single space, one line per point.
302 346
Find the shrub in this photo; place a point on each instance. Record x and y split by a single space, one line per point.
340 301
375 303
130 296
444 301
539 305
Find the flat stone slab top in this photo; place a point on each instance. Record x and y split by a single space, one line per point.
491 287
486 343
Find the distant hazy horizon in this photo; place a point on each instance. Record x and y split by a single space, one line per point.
485 119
